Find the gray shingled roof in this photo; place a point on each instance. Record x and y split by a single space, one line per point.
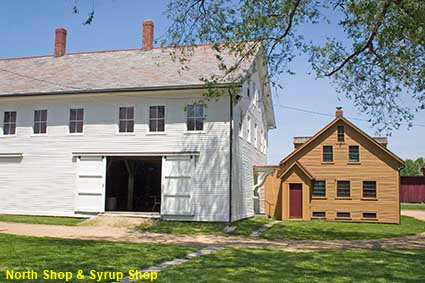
124 69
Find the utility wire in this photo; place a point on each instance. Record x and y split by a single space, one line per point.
329 115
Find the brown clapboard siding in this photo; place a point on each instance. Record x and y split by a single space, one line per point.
376 164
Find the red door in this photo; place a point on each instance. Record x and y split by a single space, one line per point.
295 201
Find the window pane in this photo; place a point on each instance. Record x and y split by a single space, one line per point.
37 115
130 113
343 189
123 113
43 115
153 112
190 124
122 127
369 215
190 111
354 153
343 214
80 114
79 127
36 128
43 128
340 133
327 153
199 124
130 126
6 129
73 114
12 116
319 188
12 129
161 111
72 127
369 189
161 125
7 117
199 111
152 126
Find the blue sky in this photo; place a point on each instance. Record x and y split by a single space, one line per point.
27 29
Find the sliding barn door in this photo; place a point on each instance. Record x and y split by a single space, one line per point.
91 184
177 185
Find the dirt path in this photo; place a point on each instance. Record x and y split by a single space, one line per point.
117 234
418 214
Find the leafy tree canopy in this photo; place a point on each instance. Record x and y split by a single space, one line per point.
413 167
379 64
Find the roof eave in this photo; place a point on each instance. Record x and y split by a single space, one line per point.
132 89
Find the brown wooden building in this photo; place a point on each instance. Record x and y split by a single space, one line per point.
341 173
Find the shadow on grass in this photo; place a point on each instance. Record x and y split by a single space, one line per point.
321 230
26 253
261 266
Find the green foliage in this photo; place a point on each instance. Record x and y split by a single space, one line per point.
266 266
379 63
27 253
413 206
413 168
321 230
49 220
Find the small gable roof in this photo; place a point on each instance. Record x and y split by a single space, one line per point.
328 126
302 168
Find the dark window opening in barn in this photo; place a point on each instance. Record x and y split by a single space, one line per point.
133 184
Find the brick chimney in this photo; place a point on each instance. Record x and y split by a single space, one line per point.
60 42
423 170
339 112
147 40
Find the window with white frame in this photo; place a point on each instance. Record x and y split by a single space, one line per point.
9 123
157 118
255 135
248 129
195 117
40 122
126 120
76 120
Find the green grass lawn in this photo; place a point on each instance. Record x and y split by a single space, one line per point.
265 266
413 206
27 253
321 230
51 220
243 227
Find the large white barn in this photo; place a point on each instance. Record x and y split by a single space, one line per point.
124 132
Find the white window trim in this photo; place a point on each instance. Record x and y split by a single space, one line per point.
186 131
148 131
33 122
2 135
117 118
69 121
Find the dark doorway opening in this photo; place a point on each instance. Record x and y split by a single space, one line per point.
133 184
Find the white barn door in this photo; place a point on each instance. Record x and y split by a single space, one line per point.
91 184
177 185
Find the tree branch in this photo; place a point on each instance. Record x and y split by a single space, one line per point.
288 28
368 43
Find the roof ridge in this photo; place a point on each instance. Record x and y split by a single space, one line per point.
105 51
